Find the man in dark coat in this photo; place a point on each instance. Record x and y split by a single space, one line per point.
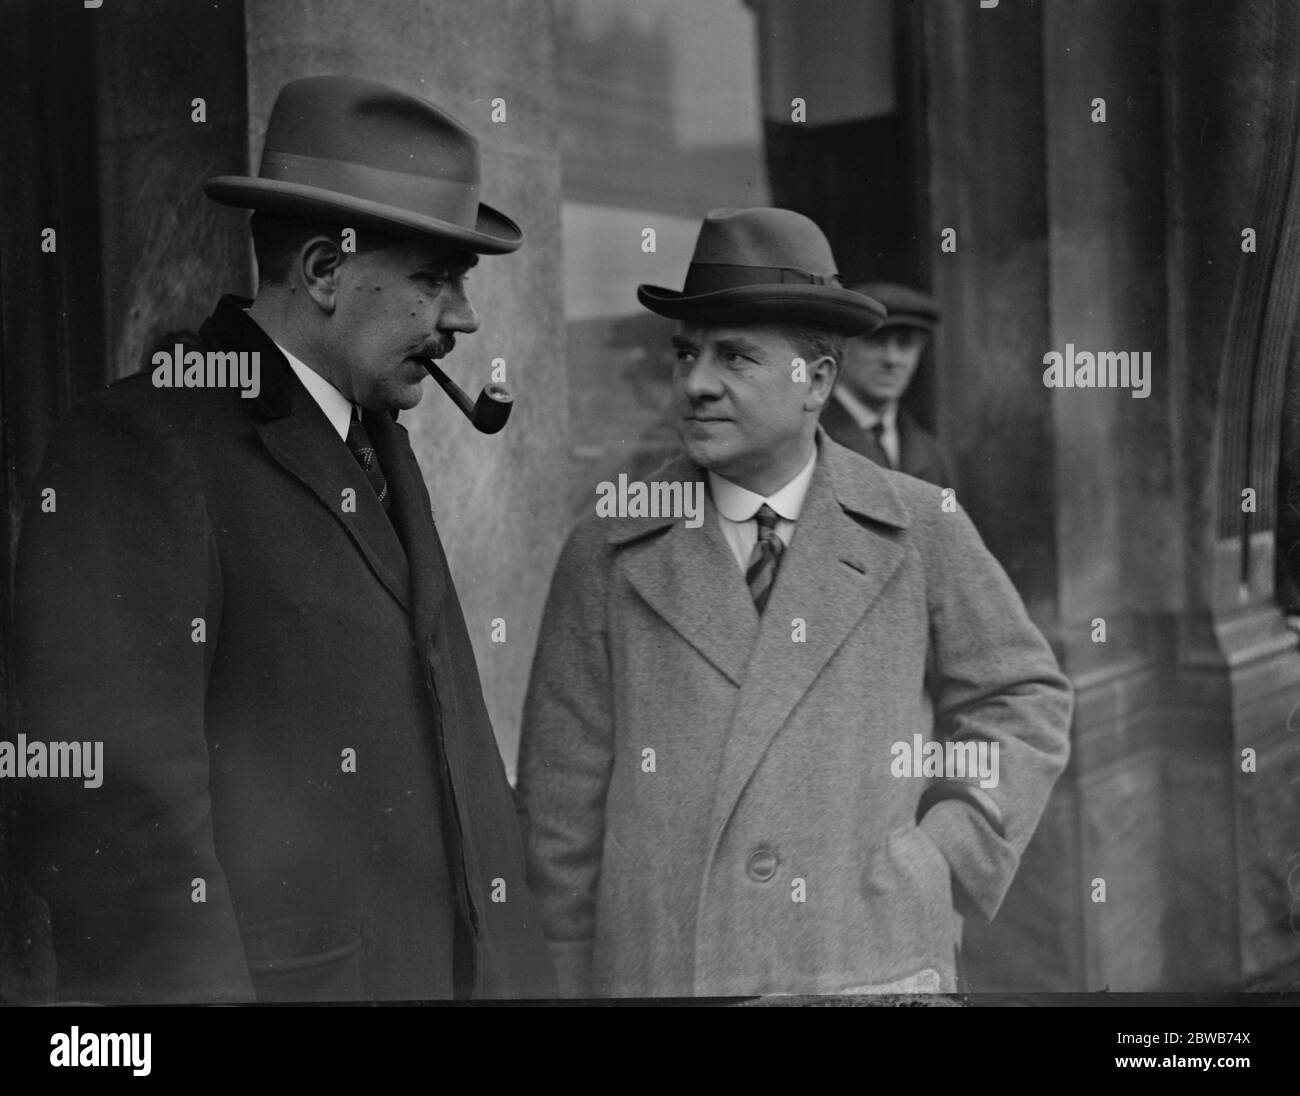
864 412
230 577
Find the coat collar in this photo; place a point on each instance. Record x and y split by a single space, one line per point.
915 452
864 491
845 550
300 438
690 578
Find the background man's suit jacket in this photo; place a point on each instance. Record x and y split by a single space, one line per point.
224 759
920 453
772 756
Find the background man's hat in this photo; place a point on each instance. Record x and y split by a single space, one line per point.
907 307
763 266
354 152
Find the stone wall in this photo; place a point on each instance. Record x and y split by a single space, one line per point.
1124 234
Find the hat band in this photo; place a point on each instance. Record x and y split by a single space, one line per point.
714 277
908 319
440 199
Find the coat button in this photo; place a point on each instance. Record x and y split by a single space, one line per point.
761 865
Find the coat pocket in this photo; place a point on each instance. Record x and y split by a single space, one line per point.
299 959
922 861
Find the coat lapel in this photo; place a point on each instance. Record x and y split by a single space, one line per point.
691 579
915 454
839 424
829 577
300 438
413 519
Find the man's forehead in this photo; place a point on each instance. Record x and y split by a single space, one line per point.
430 257
755 334
419 255
903 334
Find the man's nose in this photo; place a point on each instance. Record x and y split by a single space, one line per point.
700 381
458 314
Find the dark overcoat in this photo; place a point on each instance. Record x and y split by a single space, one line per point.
920 453
302 796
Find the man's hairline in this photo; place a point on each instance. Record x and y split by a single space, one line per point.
785 326
458 257
749 324
461 260
885 330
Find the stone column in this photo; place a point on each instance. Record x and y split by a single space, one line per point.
1099 161
1233 127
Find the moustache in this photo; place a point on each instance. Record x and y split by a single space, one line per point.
439 349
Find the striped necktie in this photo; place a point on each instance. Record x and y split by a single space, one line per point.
763 561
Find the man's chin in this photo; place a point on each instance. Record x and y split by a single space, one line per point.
709 453
882 392
403 398
409 398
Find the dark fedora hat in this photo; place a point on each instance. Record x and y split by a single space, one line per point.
351 151
763 265
907 307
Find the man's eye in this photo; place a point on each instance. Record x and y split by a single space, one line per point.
732 358
685 355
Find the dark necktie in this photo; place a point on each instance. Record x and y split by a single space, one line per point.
878 452
761 572
363 449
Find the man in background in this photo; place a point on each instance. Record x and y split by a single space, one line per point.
864 413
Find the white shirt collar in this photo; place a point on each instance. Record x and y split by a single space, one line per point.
336 406
736 503
863 415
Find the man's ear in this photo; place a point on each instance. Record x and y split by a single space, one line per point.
821 380
318 265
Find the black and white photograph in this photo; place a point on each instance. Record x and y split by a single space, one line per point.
729 503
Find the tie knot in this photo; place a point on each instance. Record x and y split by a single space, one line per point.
358 438
767 519
363 449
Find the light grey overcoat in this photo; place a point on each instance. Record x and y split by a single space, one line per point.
765 846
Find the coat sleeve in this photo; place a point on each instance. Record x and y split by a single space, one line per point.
566 752
994 679
116 564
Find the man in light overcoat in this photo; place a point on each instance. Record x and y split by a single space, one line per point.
728 771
